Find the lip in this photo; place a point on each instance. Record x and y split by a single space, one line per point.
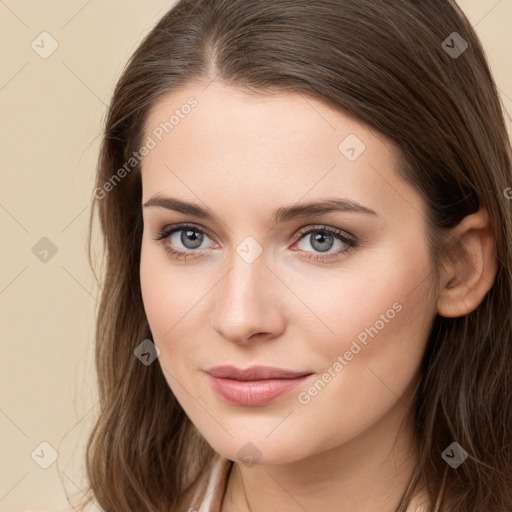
254 386
254 373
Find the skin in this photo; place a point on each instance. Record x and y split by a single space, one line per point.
243 157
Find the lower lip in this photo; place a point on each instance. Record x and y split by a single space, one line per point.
253 392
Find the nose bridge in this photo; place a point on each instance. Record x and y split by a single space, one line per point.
243 289
245 302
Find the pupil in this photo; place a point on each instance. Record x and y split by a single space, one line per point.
191 236
322 238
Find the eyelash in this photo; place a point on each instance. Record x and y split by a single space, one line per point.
167 231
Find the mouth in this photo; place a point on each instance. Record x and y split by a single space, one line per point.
254 386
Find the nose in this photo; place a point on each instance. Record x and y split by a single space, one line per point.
247 302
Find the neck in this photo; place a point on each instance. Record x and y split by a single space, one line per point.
368 473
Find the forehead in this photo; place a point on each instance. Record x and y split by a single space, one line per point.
231 117
218 140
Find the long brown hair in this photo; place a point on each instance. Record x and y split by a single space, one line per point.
396 66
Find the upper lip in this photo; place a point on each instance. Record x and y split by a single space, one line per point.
254 373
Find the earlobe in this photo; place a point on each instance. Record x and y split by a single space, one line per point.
472 268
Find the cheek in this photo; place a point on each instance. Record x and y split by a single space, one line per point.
165 305
369 368
381 320
168 290
154 288
384 295
174 302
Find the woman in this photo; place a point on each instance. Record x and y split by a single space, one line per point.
307 289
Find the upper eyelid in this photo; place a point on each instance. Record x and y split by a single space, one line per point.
182 226
326 227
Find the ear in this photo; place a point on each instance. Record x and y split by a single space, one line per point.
472 268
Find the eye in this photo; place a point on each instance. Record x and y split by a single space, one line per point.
323 239
190 237
183 241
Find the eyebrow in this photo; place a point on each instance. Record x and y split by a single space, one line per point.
282 214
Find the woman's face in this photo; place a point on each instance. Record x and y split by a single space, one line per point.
264 284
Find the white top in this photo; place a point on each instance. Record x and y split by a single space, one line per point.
210 493
211 490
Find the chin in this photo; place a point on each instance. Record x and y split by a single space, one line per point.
253 449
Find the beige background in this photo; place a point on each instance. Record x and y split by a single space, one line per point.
52 111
